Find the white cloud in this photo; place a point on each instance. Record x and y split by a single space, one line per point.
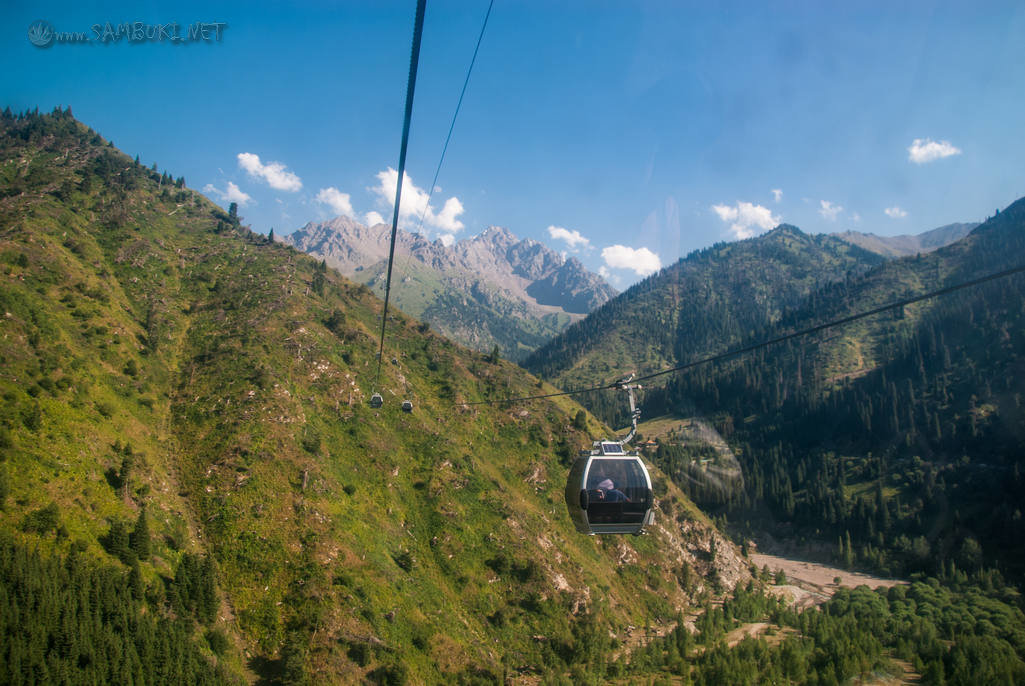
744 217
447 218
415 201
829 210
274 173
895 212
641 261
373 218
232 194
447 239
573 239
338 202
924 150
777 194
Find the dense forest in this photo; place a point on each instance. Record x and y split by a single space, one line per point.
899 438
67 620
951 632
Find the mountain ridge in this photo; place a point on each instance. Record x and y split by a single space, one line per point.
700 304
909 244
491 289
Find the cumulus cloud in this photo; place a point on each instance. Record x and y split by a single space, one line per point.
274 173
415 202
447 219
895 212
925 150
777 194
338 202
829 210
744 218
232 194
373 218
641 261
572 238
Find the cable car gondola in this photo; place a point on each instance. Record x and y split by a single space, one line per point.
376 400
609 490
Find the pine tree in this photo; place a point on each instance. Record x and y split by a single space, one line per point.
140 536
125 475
135 580
116 542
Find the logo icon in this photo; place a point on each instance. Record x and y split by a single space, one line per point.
40 33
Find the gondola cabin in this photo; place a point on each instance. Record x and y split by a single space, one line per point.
609 491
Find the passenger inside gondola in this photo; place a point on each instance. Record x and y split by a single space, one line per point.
605 490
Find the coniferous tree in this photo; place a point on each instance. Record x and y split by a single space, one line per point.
140 536
125 475
116 541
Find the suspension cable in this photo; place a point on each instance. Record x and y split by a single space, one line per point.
414 60
444 149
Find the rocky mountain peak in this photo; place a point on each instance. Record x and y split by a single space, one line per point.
497 234
513 278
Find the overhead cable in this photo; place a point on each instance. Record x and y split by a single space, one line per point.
459 104
414 61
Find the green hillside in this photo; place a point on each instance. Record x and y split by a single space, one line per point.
703 304
184 409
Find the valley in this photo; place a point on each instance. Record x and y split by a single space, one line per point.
195 488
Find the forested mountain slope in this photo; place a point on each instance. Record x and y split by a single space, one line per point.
702 304
896 439
184 423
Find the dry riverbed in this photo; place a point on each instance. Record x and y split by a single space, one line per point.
812 583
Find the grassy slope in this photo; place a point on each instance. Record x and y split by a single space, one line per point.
345 538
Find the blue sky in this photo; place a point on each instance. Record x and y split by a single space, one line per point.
627 134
